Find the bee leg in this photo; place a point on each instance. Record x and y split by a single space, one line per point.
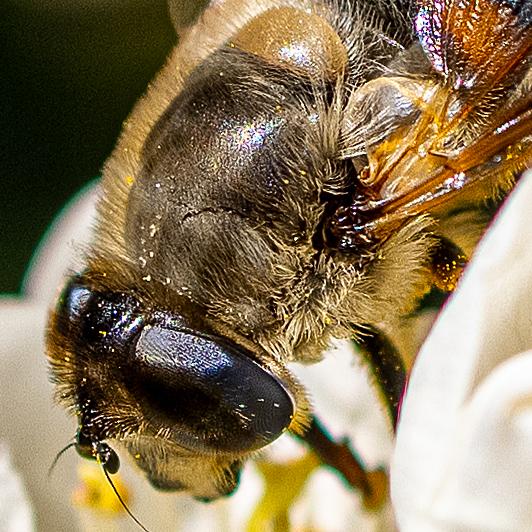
390 376
447 263
387 367
373 485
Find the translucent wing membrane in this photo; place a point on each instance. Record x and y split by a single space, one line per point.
473 125
499 149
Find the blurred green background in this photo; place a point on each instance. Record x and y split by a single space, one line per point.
70 73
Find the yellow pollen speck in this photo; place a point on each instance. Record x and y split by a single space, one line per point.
96 494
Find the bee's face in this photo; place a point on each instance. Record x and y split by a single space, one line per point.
273 189
181 399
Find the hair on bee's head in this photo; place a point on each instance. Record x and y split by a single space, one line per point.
162 387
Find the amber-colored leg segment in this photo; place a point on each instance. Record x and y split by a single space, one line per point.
448 263
389 373
373 485
387 367
390 377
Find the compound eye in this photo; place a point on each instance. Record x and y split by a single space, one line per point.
214 395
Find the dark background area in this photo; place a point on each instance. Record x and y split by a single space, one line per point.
70 73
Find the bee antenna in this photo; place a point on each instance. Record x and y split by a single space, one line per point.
119 497
58 455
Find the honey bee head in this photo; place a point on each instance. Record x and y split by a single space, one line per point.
188 404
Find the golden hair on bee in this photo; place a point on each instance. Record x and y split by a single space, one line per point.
300 170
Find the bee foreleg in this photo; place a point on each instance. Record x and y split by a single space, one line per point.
387 367
447 264
390 377
339 455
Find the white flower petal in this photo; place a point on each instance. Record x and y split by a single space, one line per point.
328 505
33 428
344 399
487 322
15 510
347 405
491 467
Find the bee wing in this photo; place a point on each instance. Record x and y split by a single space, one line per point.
482 49
474 44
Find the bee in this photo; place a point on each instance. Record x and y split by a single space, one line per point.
300 170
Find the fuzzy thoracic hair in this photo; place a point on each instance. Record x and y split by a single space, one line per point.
263 280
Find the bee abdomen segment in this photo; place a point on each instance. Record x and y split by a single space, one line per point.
297 40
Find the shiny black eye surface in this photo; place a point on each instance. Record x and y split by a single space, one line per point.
215 394
206 393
